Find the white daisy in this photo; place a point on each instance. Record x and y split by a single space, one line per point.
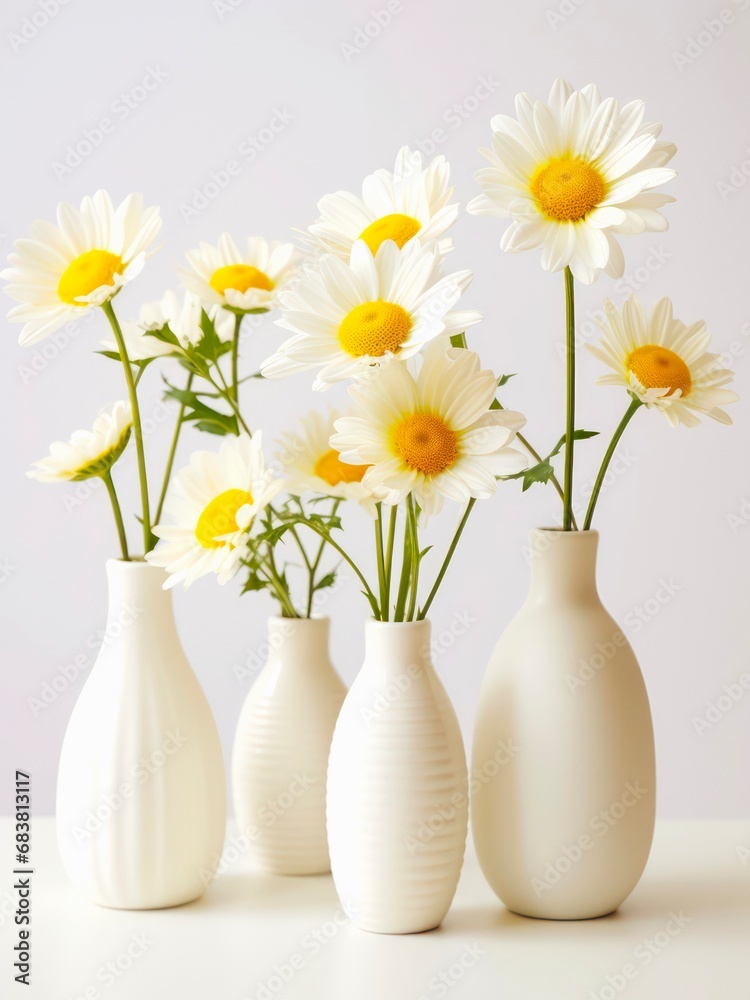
213 503
570 174
663 362
350 320
412 202
434 435
311 465
183 315
82 261
87 453
223 275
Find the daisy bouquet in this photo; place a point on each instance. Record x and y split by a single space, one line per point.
571 175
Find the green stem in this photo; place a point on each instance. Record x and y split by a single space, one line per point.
414 541
634 405
381 560
107 477
282 593
446 562
316 563
236 357
389 560
350 562
570 354
149 539
172 451
226 393
403 586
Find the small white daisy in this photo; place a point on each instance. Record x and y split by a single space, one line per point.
311 465
663 362
88 453
212 504
81 262
570 174
413 202
434 435
182 314
350 320
223 275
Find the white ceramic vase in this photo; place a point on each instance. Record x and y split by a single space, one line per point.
141 801
397 788
281 749
563 779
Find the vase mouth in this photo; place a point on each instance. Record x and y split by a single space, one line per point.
138 564
312 620
374 623
561 533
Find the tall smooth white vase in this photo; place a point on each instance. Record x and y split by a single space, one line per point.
397 788
141 802
563 774
281 749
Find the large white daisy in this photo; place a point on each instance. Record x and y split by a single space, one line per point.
224 275
88 453
350 320
81 262
413 202
212 504
663 362
183 316
310 465
434 435
570 174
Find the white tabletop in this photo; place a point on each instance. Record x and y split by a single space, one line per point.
684 934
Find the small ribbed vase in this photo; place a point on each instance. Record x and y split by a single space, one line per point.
281 749
564 787
141 803
397 788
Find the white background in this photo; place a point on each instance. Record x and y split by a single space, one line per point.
224 73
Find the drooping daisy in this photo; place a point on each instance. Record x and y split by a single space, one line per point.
88 453
182 314
570 174
351 319
212 505
82 261
310 465
664 362
433 435
412 202
223 275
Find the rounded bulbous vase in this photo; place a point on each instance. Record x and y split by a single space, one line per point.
563 775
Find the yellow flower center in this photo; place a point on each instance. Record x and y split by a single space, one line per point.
330 467
220 518
659 368
396 227
87 273
239 277
567 189
373 328
425 443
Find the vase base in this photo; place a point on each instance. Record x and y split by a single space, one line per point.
170 905
562 918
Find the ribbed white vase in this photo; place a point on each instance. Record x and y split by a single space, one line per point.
141 802
397 788
281 749
563 771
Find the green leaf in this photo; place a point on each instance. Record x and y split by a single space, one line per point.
577 436
325 581
504 379
165 335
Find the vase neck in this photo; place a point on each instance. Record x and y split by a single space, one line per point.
563 565
299 641
136 594
396 648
